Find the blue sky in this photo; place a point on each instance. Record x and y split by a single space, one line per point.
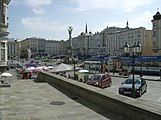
50 19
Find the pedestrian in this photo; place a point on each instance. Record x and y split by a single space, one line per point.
113 71
160 74
103 68
69 76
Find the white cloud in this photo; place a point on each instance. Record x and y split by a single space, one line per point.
130 5
34 3
38 10
125 5
141 20
42 24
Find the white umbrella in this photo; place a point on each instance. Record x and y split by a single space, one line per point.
6 74
30 68
50 67
38 67
83 71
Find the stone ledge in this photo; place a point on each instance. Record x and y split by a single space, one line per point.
129 108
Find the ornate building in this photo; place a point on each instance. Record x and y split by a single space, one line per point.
13 47
35 45
3 33
156 33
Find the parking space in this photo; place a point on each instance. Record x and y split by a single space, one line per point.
152 96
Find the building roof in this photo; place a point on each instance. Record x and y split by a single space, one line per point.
157 16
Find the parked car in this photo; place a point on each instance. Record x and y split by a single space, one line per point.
14 65
124 73
139 83
101 80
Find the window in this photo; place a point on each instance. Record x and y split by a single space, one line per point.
3 45
2 54
154 24
154 34
154 44
3 18
103 77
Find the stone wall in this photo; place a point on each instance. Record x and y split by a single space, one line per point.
129 108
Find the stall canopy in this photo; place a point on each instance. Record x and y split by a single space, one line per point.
62 68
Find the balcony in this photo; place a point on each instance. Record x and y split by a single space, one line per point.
3 33
2 25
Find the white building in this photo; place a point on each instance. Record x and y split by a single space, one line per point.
3 33
13 49
115 40
95 43
86 43
52 47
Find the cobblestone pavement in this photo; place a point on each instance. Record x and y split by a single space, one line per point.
28 100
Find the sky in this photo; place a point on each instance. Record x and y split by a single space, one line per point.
50 19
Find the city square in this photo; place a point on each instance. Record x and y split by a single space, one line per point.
76 59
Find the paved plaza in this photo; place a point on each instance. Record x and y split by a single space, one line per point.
29 100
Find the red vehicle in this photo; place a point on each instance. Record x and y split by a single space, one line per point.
101 80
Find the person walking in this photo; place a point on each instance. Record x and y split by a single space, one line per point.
160 74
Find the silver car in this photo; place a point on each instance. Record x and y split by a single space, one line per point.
139 83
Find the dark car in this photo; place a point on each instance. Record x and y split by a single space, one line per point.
139 83
101 80
124 72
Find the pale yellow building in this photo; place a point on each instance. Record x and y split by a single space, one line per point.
34 44
115 38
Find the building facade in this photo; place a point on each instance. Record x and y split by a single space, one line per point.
114 41
35 45
109 41
156 42
95 43
40 48
62 50
81 44
13 49
3 33
86 43
25 44
52 47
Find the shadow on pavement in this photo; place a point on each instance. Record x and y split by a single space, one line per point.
98 109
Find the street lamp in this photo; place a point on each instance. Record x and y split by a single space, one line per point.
135 50
138 50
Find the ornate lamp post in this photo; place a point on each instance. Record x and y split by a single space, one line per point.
135 49
138 50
